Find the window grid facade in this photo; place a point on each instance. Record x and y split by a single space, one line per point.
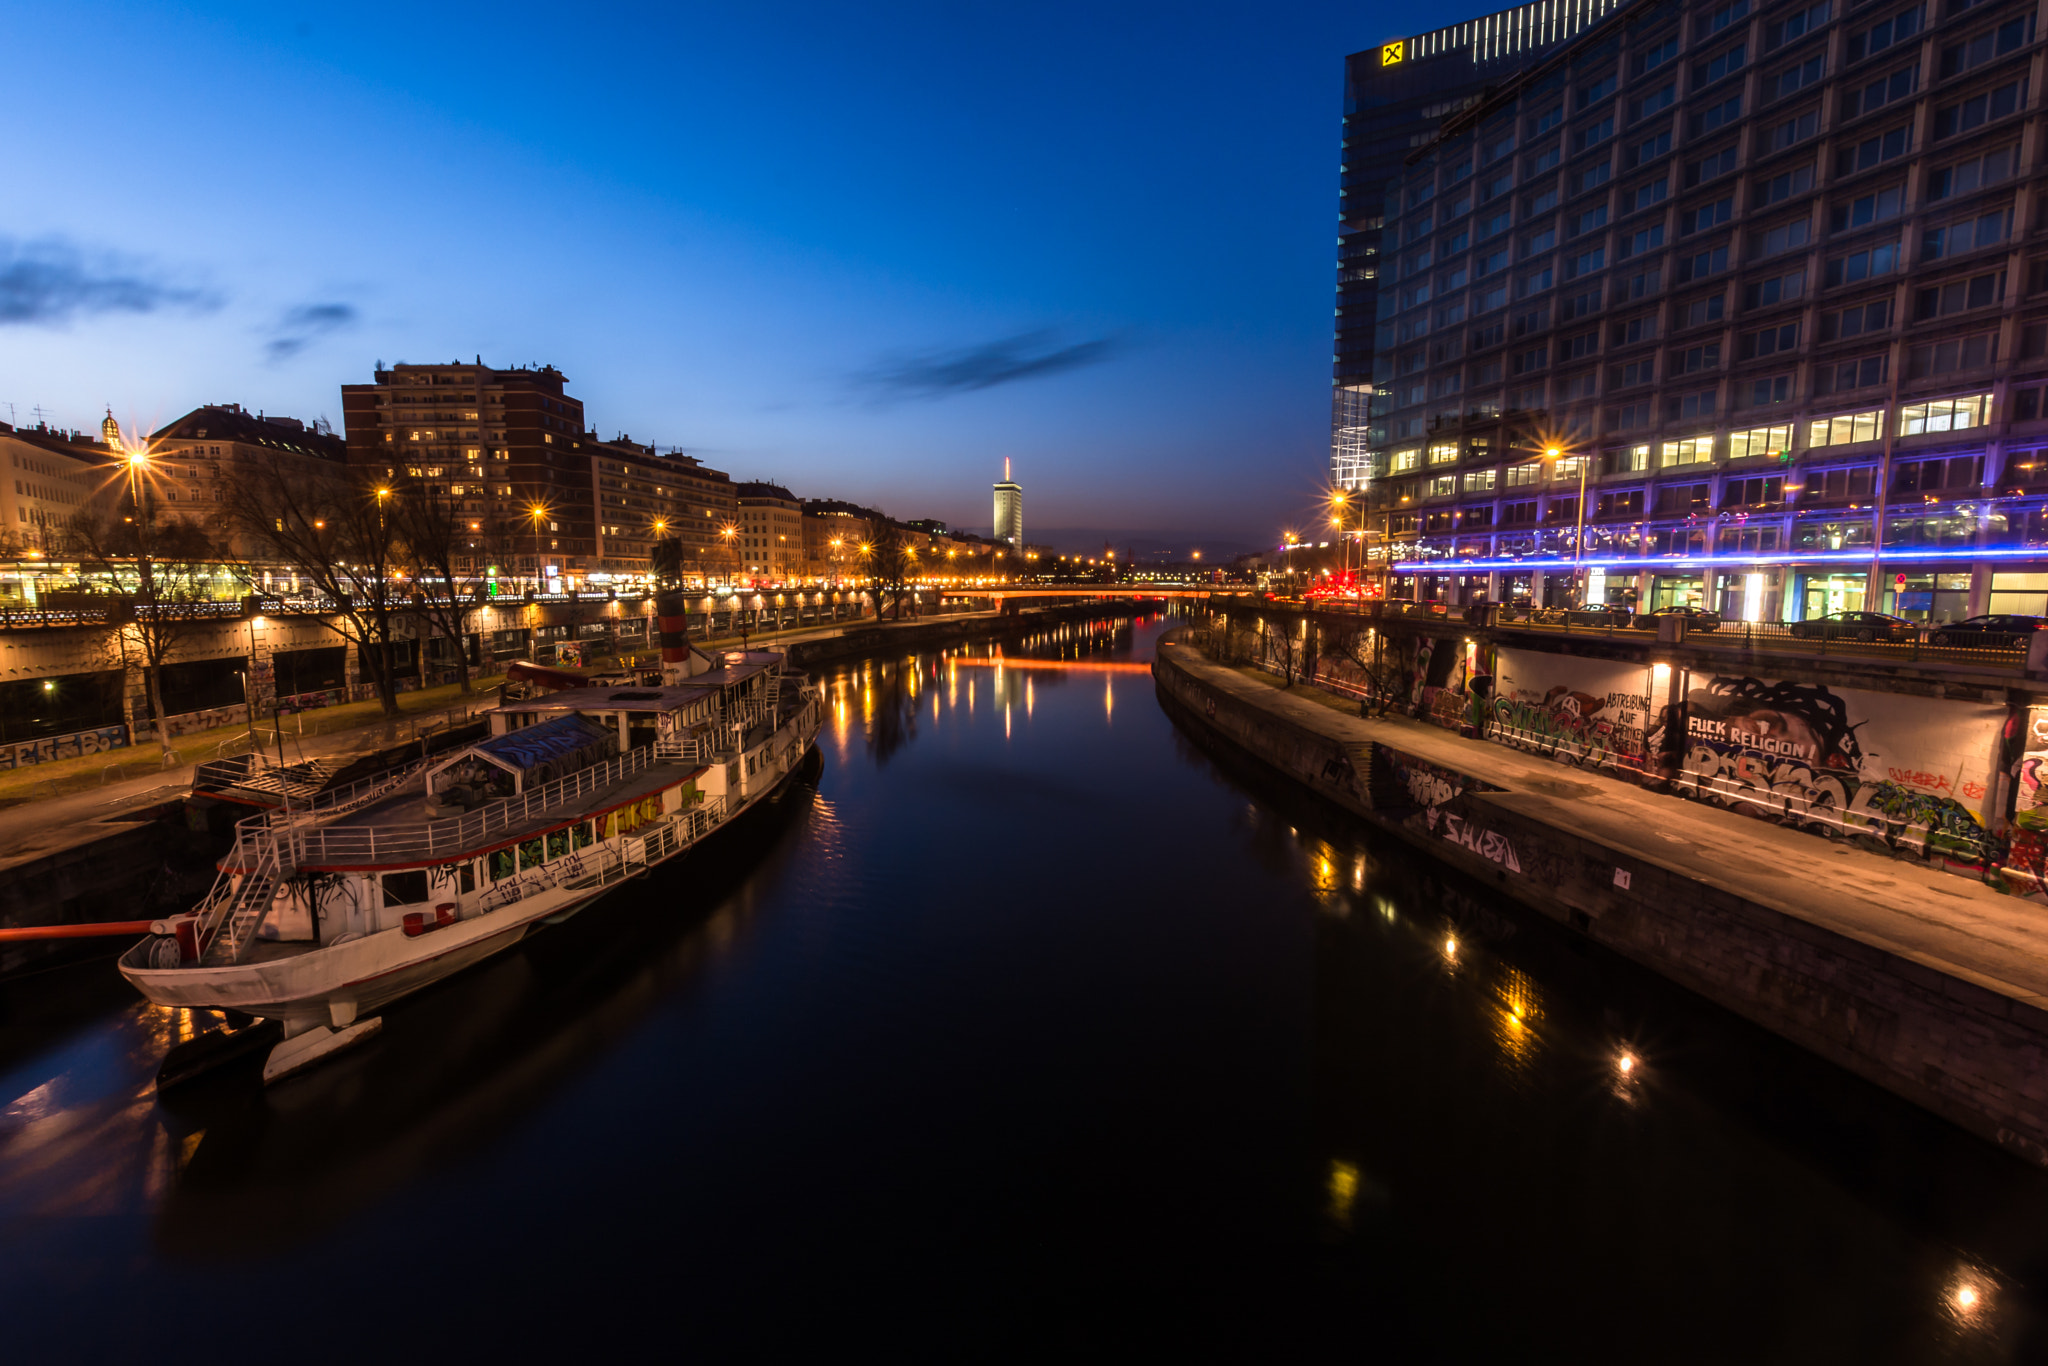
1739 239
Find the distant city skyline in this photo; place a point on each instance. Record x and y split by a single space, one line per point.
288 198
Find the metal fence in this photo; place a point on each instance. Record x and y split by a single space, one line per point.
1998 651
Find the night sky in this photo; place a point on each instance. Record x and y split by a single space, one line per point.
864 250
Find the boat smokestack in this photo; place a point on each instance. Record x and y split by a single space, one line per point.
673 621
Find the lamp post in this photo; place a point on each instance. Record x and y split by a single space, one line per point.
537 513
1554 454
730 533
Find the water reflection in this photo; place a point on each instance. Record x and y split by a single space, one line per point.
1226 1056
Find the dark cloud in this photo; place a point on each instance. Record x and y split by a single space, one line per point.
302 325
935 374
49 283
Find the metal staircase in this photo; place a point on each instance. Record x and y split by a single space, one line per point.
227 931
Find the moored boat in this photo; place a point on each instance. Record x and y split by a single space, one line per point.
325 913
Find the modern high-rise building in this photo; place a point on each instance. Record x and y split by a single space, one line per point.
1739 308
1009 522
1396 97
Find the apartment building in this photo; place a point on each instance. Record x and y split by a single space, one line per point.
1733 305
548 499
770 543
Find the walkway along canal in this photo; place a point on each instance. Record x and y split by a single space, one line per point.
1034 1027
1931 986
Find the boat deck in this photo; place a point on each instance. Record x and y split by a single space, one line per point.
399 829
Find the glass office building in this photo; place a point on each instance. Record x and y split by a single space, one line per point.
1729 305
1396 97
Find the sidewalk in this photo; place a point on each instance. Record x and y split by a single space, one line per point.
1950 924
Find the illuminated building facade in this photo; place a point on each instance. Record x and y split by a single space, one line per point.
1009 512
1396 97
1762 279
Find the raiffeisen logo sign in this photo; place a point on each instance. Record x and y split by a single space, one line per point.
1391 53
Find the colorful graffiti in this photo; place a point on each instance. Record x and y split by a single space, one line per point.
63 747
1581 711
1867 766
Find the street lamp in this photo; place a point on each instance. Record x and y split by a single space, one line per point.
729 533
537 513
1555 453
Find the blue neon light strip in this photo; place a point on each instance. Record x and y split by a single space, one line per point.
1733 560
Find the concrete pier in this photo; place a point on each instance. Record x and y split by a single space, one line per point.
1930 985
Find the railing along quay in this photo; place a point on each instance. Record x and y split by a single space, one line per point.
2000 651
1989 651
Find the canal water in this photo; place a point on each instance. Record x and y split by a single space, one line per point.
1030 1027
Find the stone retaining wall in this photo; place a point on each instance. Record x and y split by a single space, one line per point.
1964 1051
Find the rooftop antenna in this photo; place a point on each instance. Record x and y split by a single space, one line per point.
1006 469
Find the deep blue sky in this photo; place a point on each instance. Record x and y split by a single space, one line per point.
793 239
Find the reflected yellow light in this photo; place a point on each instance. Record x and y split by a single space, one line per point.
1626 1063
1966 1297
1450 948
1343 1188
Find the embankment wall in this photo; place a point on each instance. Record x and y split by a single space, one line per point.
1953 1046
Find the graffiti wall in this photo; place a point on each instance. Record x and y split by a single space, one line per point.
63 747
1596 712
1906 772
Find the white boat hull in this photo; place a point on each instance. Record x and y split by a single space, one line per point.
334 986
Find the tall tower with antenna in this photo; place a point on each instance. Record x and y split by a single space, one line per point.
1009 523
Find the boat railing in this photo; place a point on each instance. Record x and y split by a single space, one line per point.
602 866
339 802
318 844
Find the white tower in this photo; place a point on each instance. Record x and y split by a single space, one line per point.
1009 524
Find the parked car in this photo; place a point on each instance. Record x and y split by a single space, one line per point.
1974 630
1696 618
1855 626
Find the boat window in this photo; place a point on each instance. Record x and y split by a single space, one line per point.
408 888
583 836
558 843
529 853
468 877
503 864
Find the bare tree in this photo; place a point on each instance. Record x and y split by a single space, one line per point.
890 564
430 533
335 529
1380 680
156 572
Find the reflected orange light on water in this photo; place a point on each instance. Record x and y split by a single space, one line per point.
1081 666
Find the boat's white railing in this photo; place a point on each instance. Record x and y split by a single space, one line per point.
601 864
339 802
317 844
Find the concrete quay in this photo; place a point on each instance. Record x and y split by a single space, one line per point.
1930 985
